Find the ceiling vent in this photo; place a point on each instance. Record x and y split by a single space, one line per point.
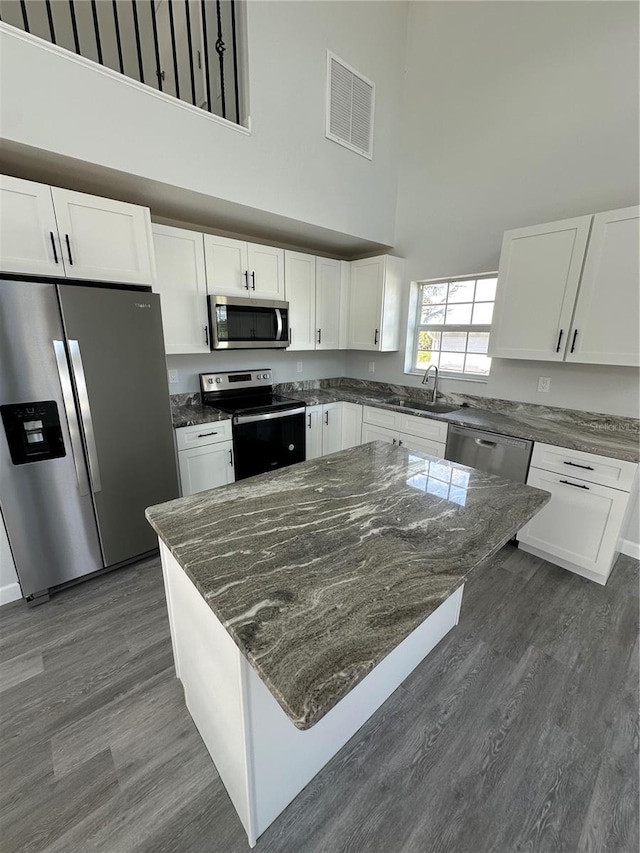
350 104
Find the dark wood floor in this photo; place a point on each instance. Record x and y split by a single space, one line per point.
518 733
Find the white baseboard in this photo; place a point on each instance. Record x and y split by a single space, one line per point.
10 592
631 549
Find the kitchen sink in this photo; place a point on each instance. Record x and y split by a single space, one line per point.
435 408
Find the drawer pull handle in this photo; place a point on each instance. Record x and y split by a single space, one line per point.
205 434
375 337
309 420
573 342
577 465
400 443
484 443
559 339
231 457
326 418
576 485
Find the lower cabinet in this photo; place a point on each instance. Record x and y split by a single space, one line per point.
332 427
351 425
205 457
414 433
581 526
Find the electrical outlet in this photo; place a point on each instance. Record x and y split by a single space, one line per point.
300 366
173 377
544 383
372 367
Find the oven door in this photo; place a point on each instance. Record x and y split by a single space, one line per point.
248 323
265 442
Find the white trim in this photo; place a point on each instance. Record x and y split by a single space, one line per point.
596 577
10 592
368 155
630 548
63 53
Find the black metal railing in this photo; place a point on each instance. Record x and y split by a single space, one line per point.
191 49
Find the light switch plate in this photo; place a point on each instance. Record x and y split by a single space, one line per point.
544 383
300 366
372 367
173 377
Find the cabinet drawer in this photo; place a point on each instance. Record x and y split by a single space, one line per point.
424 428
424 445
381 417
585 466
202 434
375 433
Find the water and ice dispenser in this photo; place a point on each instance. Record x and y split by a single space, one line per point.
33 431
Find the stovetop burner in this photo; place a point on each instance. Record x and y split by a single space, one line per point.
253 404
243 392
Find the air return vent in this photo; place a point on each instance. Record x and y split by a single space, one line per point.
350 103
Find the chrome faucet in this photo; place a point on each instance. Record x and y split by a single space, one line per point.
425 380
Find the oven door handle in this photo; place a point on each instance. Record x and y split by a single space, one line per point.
279 324
267 416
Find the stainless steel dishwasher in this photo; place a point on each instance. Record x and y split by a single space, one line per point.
498 454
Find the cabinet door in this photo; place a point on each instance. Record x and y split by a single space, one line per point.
605 324
28 229
266 271
227 266
580 524
375 433
424 445
351 425
314 432
328 303
300 290
537 285
103 239
365 304
182 285
206 467
331 428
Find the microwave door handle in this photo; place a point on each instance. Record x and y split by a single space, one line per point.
85 414
279 324
72 418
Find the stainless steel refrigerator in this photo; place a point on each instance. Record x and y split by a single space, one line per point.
86 442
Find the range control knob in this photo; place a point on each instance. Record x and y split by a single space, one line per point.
210 381
259 376
218 380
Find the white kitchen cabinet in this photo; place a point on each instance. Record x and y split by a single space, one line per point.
399 423
377 433
374 304
237 268
300 291
537 284
51 231
580 528
103 239
28 229
314 432
605 325
329 303
423 445
331 428
351 425
182 285
205 456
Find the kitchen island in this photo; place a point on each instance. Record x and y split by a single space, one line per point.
300 600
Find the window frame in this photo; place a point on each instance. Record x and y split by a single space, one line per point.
415 313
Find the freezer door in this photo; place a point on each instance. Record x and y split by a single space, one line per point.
46 501
116 350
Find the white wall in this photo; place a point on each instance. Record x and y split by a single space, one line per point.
285 167
516 114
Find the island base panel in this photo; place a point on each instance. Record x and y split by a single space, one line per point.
263 760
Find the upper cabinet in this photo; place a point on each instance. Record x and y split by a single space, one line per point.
236 268
568 291
605 325
331 310
182 284
51 231
315 289
374 304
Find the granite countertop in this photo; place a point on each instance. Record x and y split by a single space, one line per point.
319 570
590 432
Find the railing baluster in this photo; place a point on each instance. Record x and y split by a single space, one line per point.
173 47
190 45
154 25
136 27
96 29
116 24
235 59
205 50
50 17
25 19
74 26
220 49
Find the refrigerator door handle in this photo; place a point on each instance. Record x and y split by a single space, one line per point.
85 414
72 418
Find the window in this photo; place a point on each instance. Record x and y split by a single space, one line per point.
453 322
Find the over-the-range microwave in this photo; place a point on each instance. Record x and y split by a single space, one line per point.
238 323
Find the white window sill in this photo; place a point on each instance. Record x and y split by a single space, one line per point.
482 380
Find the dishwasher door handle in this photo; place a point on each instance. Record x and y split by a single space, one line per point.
482 442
